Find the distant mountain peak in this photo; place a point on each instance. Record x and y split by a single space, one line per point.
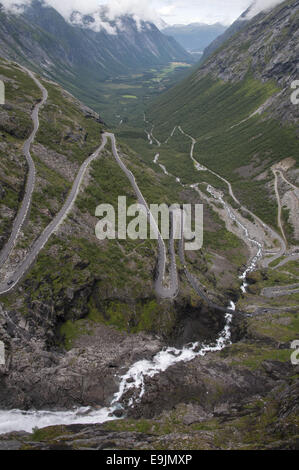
85 49
104 17
195 36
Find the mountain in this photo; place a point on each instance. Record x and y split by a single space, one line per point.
79 285
81 52
196 36
237 25
237 104
87 335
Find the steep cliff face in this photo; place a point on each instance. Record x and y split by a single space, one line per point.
234 28
266 47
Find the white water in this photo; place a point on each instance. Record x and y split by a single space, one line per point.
133 380
17 420
253 264
135 377
164 169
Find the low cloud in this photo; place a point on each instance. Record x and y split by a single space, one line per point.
114 8
15 6
146 10
102 12
262 5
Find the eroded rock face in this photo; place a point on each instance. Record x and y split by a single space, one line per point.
234 425
212 383
39 373
269 43
36 376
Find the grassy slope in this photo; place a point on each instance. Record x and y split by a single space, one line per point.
72 262
76 275
207 109
15 126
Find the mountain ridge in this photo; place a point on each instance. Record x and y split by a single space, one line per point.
77 57
195 36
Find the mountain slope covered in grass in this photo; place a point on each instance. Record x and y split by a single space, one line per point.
238 107
87 310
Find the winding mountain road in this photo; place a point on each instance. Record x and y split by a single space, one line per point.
30 183
39 244
274 255
264 227
190 278
296 189
279 220
164 292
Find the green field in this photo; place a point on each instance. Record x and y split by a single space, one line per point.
123 98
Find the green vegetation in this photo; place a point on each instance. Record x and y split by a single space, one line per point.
49 434
252 356
212 112
109 97
133 317
65 128
280 327
21 94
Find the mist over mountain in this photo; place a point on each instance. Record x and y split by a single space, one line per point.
101 14
86 49
234 28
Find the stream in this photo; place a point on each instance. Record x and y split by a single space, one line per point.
133 382
134 379
253 264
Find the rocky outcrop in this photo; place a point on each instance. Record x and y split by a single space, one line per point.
260 423
39 373
36 376
265 47
214 384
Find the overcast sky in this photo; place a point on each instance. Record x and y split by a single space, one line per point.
171 11
206 11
